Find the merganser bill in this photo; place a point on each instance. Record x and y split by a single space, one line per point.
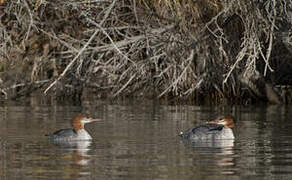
217 129
76 133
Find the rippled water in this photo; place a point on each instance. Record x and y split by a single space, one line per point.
138 140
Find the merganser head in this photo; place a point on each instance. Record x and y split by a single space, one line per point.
79 121
227 121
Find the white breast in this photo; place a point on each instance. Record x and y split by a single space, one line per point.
83 135
227 134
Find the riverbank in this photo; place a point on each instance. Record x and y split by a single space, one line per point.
203 51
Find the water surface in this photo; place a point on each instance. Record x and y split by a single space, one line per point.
138 140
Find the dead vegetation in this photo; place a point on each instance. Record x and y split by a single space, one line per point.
207 51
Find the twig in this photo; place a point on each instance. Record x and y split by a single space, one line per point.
190 58
269 50
131 40
125 85
25 84
216 17
4 92
31 20
111 40
71 63
239 57
61 41
80 52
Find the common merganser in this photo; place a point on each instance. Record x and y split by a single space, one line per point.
76 133
217 129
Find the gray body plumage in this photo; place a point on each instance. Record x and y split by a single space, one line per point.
69 135
208 132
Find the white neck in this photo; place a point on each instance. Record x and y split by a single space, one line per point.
83 134
227 132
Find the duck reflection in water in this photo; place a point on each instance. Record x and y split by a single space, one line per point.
216 144
75 141
212 139
77 151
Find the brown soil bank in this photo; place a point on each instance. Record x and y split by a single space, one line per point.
203 51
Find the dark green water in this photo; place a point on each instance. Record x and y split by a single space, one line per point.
138 140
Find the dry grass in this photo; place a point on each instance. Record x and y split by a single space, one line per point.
145 48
